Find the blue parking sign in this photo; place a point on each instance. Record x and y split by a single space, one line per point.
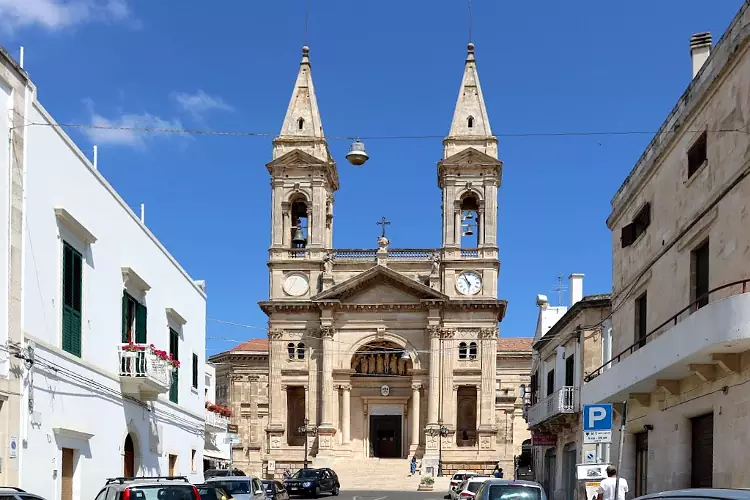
597 417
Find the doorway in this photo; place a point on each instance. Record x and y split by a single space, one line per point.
385 436
172 464
128 457
68 467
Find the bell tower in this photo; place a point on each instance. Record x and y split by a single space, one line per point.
469 176
303 180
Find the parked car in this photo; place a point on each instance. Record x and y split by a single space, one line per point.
467 489
504 489
313 482
699 494
13 493
222 472
458 478
149 488
275 490
240 487
212 492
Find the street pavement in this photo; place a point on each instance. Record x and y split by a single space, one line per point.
391 495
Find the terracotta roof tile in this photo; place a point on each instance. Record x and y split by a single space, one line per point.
254 345
514 344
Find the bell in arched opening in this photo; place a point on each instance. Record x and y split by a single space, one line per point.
357 155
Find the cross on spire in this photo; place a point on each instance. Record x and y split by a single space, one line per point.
383 222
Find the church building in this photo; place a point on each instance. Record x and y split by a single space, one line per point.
382 352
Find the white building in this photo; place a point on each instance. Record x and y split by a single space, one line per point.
681 284
216 449
94 277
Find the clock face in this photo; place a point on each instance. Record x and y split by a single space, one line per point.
296 284
469 283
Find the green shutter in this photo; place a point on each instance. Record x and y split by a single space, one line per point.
140 324
174 339
195 371
125 338
174 390
72 300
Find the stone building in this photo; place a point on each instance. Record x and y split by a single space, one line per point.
388 352
681 307
573 345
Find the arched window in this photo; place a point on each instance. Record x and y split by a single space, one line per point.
470 223
290 349
300 351
299 223
300 123
473 350
462 350
470 122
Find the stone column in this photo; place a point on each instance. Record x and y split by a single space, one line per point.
486 431
277 406
433 395
457 228
327 378
286 224
480 226
346 413
414 417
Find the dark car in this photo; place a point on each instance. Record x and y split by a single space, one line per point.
275 490
13 493
313 482
212 492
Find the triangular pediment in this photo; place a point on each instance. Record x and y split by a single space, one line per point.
295 157
470 156
380 285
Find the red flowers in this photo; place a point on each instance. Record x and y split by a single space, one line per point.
131 347
163 355
220 410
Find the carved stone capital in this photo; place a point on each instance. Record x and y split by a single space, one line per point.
455 387
345 387
327 332
434 331
447 333
275 334
416 387
488 333
236 378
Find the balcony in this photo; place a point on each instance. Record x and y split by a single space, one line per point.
560 403
144 373
216 422
704 342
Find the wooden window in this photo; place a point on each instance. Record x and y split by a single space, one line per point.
300 351
462 350
134 320
72 300
697 154
699 276
641 311
637 227
702 461
473 350
195 371
570 368
192 461
174 344
290 350
172 464
550 382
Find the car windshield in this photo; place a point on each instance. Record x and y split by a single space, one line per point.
306 474
514 492
234 487
162 492
473 487
458 476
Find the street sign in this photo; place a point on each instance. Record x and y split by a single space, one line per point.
232 428
590 457
597 417
543 439
597 437
591 472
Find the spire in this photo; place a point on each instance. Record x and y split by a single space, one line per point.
302 128
470 126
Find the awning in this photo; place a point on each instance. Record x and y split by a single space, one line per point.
215 455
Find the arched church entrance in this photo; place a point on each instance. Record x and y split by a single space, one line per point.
128 469
388 363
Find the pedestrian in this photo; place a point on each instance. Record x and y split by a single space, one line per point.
606 488
413 465
498 472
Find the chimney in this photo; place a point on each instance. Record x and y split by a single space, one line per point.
700 49
542 302
576 288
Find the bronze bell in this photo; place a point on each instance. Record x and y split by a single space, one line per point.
468 232
299 238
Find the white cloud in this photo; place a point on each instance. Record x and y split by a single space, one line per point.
119 131
199 103
59 14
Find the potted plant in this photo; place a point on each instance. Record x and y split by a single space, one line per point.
426 483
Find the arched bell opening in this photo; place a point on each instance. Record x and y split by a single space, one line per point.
300 226
382 359
470 223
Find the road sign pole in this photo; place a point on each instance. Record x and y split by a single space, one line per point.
622 444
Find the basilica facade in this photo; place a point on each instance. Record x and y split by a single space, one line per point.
382 352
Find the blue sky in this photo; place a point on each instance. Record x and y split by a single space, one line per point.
387 68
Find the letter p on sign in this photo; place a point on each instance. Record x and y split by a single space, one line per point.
597 417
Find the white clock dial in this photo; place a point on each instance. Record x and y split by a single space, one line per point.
296 284
469 283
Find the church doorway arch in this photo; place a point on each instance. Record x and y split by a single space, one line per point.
381 358
128 458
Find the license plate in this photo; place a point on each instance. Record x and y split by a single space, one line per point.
294 488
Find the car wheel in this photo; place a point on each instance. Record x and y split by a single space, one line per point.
335 490
317 492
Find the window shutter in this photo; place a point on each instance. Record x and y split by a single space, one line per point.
195 371
628 235
174 350
125 338
72 300
140 323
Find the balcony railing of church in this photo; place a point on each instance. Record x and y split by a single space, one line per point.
469 252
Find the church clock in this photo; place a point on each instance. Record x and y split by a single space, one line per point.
469 283
296 284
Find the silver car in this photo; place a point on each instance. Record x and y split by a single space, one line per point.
699 494
505 489
240 487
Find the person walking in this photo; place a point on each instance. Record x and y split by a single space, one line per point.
413 465
606 490
498 472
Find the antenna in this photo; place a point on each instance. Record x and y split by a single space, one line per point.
307 18
559 288
470 20
96 157
20 57
143 213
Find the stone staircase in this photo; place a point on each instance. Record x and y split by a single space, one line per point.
382 474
